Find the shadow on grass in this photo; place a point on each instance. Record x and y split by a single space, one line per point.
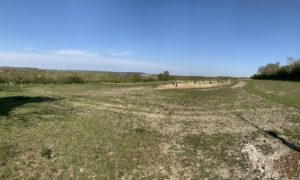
272 134
7 104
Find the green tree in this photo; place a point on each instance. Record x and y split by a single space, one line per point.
165 76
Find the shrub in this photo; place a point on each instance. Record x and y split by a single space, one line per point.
73 79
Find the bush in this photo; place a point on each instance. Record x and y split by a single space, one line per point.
165 76
73 79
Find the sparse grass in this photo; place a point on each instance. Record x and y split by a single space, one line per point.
293 133
199 95
295 119
215 146
113 131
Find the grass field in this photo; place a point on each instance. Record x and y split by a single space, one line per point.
135 131
285 92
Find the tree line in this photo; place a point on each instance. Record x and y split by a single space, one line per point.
10 75
271 71
37 76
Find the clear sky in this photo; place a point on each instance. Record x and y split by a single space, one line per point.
187 37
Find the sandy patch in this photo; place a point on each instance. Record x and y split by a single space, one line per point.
195 84
261 162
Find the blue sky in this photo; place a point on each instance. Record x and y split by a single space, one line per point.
187 37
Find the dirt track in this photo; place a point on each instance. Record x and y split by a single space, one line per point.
240 84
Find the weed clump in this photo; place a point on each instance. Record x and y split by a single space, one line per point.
140 130
46 152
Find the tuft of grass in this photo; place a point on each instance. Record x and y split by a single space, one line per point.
46 152
140 130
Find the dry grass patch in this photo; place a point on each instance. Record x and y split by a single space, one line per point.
289 165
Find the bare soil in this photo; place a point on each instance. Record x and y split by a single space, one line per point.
195 84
